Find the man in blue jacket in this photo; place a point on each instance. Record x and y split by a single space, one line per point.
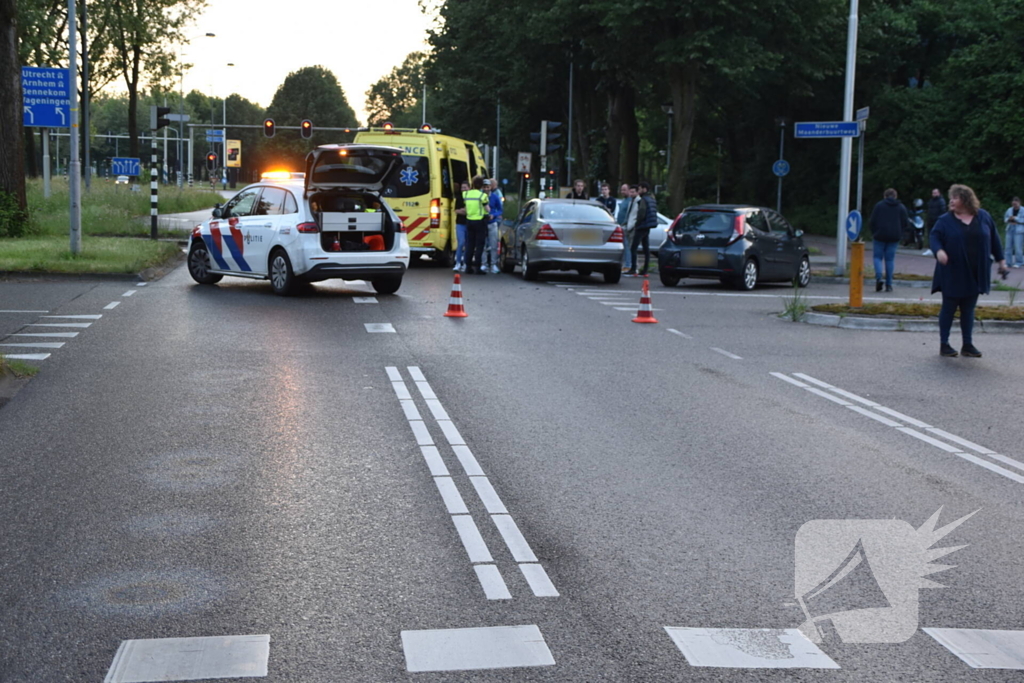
495 212
888 221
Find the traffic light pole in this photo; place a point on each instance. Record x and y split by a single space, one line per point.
543 152
153 184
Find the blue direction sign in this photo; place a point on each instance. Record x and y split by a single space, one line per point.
854 222
781 168
46 97
129 166
826 129
214 135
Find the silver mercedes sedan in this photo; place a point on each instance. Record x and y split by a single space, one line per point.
563 234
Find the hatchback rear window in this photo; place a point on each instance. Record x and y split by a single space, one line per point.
412 180
334 168
591 213
707 222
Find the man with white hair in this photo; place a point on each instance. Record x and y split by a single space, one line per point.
495 212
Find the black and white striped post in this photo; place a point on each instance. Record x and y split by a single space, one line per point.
153 191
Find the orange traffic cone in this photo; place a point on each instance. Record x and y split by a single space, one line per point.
455 308
644 313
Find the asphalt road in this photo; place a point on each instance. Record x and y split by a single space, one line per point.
218 461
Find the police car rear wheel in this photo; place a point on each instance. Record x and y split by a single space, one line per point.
282 279
199 265
388 285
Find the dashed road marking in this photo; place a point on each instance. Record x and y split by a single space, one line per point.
26 356
727 354
434 462
379 327
491 581
62 335
468 461
678 333
538 579
35 345
130 292
451 496
81 325
364 300
95 316
488 495
514 539
471 539
13 311
470 649
190 659
112 305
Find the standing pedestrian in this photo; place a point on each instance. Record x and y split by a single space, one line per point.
627 212
606 200
965 242
646 218
495 210
1014 220
476 224
936 207
579 190
461 229
889 221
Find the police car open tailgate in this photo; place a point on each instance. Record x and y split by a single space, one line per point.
362 167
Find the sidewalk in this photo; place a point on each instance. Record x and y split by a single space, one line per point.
908 261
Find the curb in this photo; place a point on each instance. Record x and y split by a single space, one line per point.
867 281
853 322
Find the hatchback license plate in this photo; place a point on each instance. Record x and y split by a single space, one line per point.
700 258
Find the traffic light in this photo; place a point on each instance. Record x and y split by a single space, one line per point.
157 118
551 138
211 161
268 128
306 129
526 176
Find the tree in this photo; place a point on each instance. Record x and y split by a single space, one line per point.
12 170
313 93
397 96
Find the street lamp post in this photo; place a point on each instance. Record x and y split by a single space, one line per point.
847 143
782 156
718 191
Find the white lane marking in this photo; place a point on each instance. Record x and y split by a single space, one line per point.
679 334
12 311
1009 461
364 300
539 582
929 440
425 390
401 391
963 442
610 303
491 581
469 649
141 284
560 284
437 410
130 292
62 335
379 327
26 356
469 464
471 539
517 545
393 374
82 325
825 394
96 316
434 462
451 433
112 305
190 659
983 648
989 466
452 498
416 374
841 392
875 416
488 496
785 378
419 430
725 353
741 648
36 345
902 418
410 409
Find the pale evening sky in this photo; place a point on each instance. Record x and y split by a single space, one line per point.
267 39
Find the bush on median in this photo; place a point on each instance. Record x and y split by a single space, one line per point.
922 310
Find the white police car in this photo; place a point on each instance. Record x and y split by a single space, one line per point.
330 224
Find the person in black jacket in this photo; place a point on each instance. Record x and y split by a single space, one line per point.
888 221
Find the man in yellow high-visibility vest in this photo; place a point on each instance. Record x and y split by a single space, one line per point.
476 221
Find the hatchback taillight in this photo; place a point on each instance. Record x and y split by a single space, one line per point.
435 213
307 227
739 226
546 232
616 235
671 231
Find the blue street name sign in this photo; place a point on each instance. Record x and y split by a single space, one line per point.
826 129
46 97
854 222
125 166
781 168
214 135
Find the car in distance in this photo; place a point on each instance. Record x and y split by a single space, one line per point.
121 180
740 245
563 234
332 223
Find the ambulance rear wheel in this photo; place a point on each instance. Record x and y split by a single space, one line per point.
199 265
443 257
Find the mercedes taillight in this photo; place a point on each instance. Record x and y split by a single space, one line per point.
616 235
546 232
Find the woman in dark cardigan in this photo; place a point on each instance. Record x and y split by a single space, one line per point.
964 241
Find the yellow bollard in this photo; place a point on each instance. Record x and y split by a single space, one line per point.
856 274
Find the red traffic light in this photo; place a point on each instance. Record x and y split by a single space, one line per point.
211 161
306 129
269 128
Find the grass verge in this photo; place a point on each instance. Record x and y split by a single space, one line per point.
16 368
906 310
869 275
100 255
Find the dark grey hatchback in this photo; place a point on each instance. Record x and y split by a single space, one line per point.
741 245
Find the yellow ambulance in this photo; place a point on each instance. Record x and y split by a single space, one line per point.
423 191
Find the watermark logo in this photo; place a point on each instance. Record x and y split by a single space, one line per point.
859 579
